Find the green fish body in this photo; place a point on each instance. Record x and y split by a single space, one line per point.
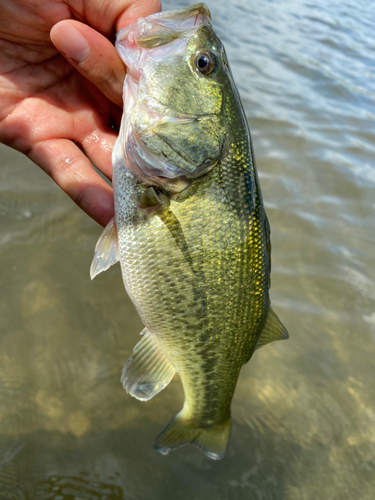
190 230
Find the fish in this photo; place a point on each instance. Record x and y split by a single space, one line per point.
190 230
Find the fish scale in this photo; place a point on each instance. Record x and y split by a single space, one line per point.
239 262
194 246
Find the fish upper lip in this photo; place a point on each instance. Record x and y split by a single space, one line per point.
164 111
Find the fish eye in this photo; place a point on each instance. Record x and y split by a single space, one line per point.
206 62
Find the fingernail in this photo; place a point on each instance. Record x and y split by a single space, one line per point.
71 42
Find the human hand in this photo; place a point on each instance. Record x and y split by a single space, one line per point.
61 111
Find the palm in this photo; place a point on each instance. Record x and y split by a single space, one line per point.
51 112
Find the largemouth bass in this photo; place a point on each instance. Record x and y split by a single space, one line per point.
190 230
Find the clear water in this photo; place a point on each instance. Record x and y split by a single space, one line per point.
304 410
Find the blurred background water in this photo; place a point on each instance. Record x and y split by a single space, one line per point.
304 410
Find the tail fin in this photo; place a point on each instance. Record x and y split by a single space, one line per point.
211 440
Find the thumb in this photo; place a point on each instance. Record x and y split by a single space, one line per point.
93 55
108 16
137 9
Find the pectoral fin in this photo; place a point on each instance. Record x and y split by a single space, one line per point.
273 329
106 250
147 371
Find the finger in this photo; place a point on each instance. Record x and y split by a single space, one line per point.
92 55
98 145
73 172
84 119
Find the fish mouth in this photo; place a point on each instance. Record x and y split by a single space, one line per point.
149 153
156 139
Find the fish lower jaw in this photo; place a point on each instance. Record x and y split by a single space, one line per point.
153 169
173 186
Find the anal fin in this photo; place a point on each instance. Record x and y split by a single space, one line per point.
147 371
273 330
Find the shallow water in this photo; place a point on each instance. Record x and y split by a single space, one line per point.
304 410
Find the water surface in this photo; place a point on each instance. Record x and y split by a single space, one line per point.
304 410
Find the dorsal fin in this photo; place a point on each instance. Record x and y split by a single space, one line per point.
106 250
273 329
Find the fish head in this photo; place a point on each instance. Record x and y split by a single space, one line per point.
173 127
